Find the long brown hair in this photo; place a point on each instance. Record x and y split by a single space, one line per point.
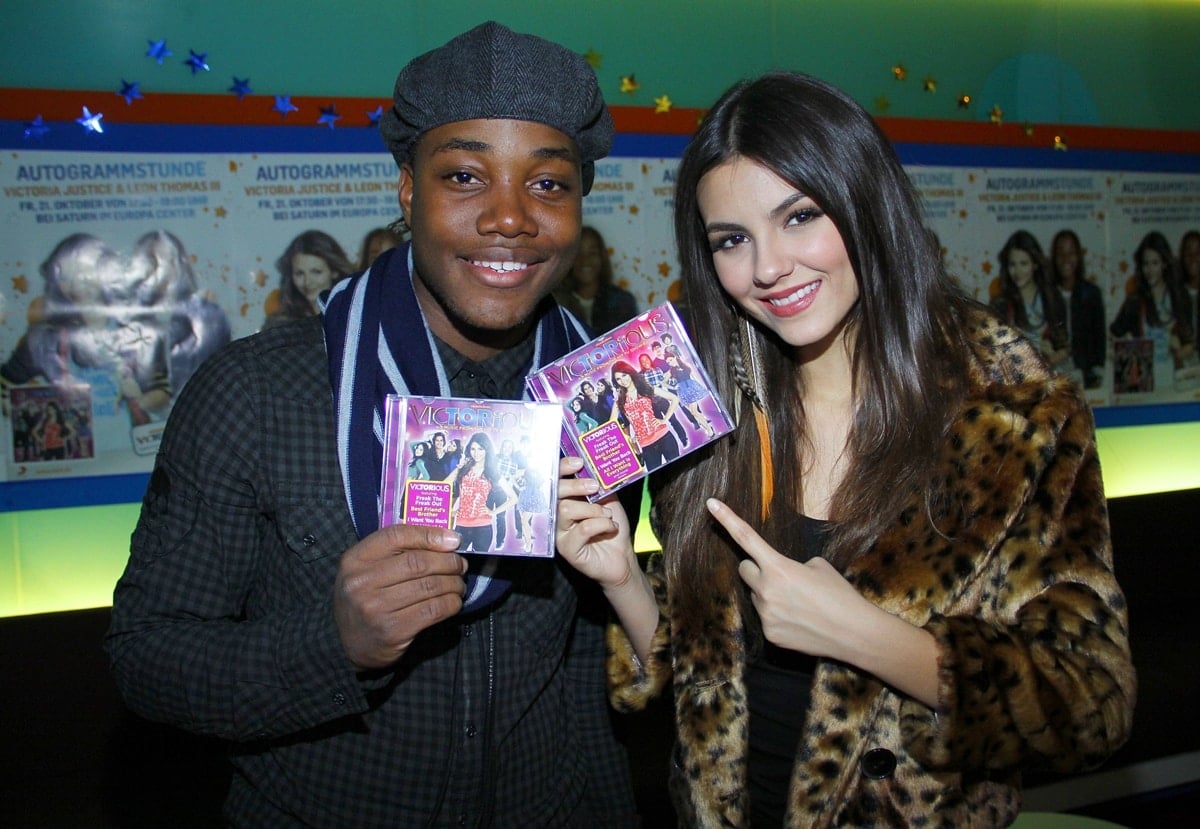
908 357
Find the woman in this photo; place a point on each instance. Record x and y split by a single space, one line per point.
1027 298
1159 307
53 433
584 422
594 403
376 242
480 494
691 392
649 421
1085 307
416 466
588 290
312 263
910 596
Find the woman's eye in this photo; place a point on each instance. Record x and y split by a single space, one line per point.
804 215
727 241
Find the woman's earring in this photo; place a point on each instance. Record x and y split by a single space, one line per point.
745 361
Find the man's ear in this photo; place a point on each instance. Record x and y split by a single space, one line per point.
405 190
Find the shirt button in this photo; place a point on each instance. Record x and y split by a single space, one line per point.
466 631
462 820
309 540
878 764
471 731
339 699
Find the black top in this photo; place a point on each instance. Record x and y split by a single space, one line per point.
778 684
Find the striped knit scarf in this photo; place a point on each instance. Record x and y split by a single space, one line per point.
378 344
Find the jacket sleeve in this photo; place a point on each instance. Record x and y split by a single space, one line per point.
632 684
607 800
195 640
1041 674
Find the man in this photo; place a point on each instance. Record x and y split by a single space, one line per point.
369 677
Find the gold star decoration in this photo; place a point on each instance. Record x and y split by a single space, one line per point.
220 211
20 284
899 72
964 101
996 115
664 268
1060 143
929 84
629 84
1028 130
882 104
593 58
662 105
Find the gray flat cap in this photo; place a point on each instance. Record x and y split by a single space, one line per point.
494 72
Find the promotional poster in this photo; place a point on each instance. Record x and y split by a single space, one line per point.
135 259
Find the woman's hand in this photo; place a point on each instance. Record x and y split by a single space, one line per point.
809 607
593 538
804 606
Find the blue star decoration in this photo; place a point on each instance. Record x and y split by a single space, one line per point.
240 87
129 91
374 116
329 116
158 50
90 122
36 128
284 105
197 61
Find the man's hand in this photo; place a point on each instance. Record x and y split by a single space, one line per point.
392 585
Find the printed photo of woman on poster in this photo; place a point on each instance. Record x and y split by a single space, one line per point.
1027 299
312 262
1158 308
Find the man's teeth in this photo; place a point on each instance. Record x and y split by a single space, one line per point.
796 295
502 267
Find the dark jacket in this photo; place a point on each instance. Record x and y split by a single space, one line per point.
612 307
222 625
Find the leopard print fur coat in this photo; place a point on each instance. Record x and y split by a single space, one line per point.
1031 625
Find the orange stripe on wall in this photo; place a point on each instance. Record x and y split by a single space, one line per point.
258 110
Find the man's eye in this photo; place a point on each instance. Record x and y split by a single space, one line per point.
549 185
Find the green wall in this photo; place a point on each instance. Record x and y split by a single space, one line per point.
1114 63
1120 63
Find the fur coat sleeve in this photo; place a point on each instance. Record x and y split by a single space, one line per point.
1008 565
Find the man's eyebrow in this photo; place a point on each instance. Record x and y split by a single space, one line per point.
557 153
461 144
475 146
